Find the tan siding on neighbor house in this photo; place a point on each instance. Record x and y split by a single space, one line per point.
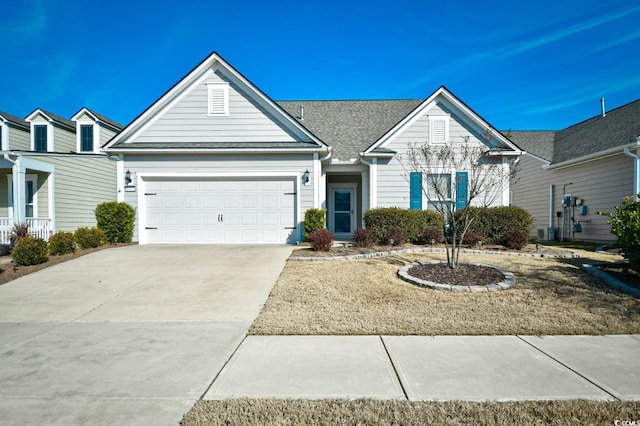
19 139
187 120
602 184
80 184
63 140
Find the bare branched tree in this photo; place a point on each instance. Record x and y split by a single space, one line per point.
486 173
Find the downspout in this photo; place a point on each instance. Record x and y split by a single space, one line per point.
322 181
636 171
551 231
372 180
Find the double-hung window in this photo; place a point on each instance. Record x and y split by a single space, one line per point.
439 191
86 138
40 138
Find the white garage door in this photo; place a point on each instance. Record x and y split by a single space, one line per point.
219 211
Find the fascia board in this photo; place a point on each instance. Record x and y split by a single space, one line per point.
592 157
122 150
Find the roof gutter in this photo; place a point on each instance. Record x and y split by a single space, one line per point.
213 151
594 156
636 170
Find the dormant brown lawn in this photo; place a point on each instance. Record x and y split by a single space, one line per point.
365 297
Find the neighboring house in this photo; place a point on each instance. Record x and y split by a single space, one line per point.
56 174
593 164
215 160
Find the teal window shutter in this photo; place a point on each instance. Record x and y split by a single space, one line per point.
462 189
415 191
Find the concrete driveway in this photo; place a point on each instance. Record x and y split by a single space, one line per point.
131 335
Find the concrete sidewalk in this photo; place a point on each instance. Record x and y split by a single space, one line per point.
470 368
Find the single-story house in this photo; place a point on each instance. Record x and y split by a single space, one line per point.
566 177
55 173
215 160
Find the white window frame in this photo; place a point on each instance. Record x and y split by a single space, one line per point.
96 137
4 136
432 121
27 177
211 108
49 135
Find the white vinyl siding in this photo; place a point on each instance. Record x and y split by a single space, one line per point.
602 184
392 183
218 95
187 119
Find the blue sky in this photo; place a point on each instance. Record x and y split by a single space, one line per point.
520 65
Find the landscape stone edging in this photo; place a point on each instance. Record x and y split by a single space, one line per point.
570 254
610 280
509 280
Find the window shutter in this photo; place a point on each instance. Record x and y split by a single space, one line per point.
415 191
462 189
439 131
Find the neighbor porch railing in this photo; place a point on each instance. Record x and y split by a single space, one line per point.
38 228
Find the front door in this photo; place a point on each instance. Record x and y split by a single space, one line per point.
342 219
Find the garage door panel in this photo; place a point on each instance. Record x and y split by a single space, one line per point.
232 210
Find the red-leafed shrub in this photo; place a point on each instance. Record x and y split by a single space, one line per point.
321 240
363 237
395 236
472 238
433 234
515 239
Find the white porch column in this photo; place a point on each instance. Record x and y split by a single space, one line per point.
19 175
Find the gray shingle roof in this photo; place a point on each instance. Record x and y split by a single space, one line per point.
16 120
60 120
106 119
536 142
619 127
350 127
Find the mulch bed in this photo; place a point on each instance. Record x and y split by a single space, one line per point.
622 272
464 274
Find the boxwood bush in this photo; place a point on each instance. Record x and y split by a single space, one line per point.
412 223
89 237
314 219
61 243
116 220
494 222
30 251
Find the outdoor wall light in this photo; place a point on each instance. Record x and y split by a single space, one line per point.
127 178
305 177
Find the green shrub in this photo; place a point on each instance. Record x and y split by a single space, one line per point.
314 219
625 224
516 239
89 237
493 222
116 220
412 223
362 237
61 243
30 251
321 240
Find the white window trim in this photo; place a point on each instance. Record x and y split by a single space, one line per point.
96 137
27 177
217 86
451 174
4 136
433 119
49 135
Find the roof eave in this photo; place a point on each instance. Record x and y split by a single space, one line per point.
593 156
121 150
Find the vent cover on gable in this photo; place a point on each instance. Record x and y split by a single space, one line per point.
439 129
218 99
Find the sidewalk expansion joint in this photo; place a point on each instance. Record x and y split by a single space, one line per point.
570 369
395 370
223 367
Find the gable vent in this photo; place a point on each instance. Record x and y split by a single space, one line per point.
218 99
